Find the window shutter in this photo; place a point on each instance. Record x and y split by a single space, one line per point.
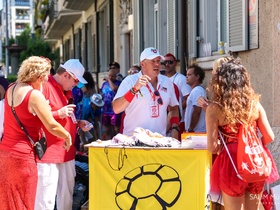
192 25
83 53
89 44
171 27
163 31
94 42
237 25
136 29
223 21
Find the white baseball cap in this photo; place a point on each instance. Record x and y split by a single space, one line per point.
75 67
150 53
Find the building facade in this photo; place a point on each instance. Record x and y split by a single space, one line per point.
19 17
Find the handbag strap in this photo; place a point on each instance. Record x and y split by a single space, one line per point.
17 119
229 155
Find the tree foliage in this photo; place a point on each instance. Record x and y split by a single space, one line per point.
35 47
38 47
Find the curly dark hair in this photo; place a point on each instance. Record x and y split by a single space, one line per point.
230 87
90 82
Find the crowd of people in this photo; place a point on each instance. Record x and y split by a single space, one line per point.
68 108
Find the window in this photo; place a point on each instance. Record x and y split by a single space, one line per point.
214 21
155 25
22 14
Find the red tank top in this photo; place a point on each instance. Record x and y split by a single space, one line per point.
14 139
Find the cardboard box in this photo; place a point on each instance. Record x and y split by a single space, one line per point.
186 135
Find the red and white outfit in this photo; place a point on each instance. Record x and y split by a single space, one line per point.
185 89
144 111
56 170
223 176
17 159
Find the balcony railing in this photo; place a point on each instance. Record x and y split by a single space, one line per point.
22 2
78 5
60 20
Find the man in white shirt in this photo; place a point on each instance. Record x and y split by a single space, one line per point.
195 116
179 80
145 97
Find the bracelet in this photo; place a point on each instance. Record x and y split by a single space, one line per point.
174 120
176 128
129 96
133 89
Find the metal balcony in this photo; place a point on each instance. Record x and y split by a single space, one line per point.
59 22
78 4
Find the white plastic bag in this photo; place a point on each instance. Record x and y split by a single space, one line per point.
1 118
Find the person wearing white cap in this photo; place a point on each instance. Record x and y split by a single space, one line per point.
146 96
96 103
56 170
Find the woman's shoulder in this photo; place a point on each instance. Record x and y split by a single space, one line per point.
215 111
214 106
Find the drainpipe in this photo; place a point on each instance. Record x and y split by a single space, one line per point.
183 32
7 41
73 42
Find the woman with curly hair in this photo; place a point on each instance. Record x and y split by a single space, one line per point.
18 167
232 102
201 101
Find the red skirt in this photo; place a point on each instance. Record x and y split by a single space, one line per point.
18 182
223 176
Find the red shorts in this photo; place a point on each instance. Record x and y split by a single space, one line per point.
224 178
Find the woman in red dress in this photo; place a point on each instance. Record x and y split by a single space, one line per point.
17 158
233 101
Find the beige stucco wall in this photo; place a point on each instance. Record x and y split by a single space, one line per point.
263 64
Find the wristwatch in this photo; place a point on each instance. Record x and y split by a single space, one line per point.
176 128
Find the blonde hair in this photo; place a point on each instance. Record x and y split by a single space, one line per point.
32 68
220 61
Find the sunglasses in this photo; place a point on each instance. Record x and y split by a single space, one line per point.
159 100
168 62
162 71
133 71
73 76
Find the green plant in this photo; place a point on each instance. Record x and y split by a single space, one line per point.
11 78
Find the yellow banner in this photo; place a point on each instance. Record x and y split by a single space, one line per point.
148 179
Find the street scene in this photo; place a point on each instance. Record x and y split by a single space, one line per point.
139 104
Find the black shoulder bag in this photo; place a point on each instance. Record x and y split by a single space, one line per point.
41 145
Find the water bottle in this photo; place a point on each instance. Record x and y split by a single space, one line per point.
221 48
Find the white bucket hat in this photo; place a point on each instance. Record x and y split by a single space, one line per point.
150 53
75 67
97 100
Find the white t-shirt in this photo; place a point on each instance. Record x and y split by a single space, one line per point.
138 112
184 89
192 101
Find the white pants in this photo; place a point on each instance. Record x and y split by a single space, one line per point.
55 181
